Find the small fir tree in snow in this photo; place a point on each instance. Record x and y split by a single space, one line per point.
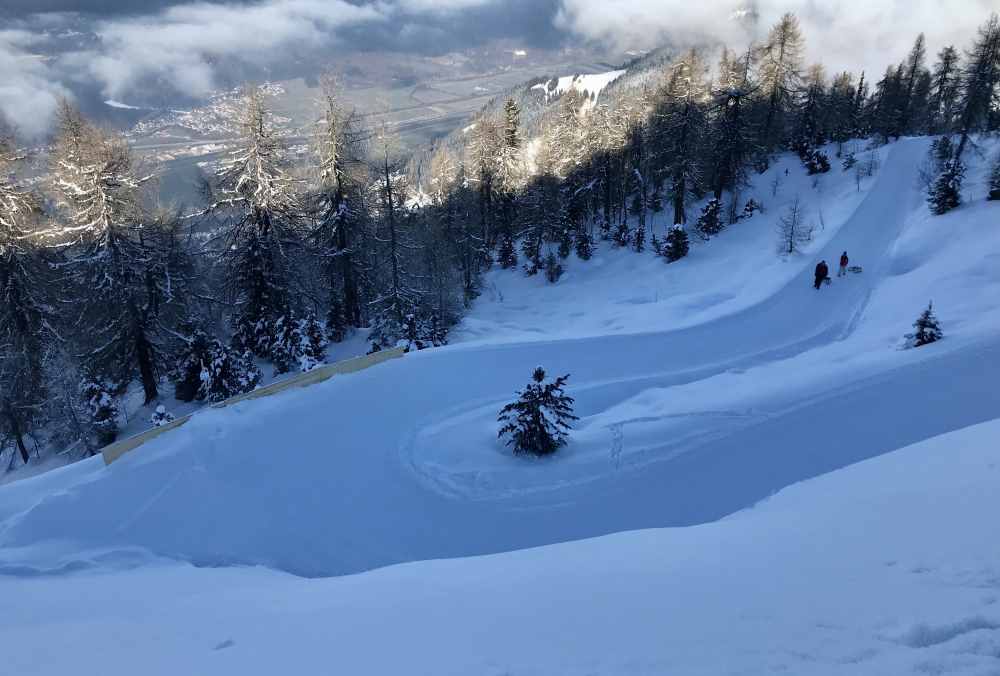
639 240
945 192
103 409
286 345
538 422
228 374
553 268
994 187
927 329
677 244
424 331
506 255
815 161
161 417
208 370
710 221
622 234
312 343
850 160
942 150
584 245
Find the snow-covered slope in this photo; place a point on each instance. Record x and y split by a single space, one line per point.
589 85
887 567
702 388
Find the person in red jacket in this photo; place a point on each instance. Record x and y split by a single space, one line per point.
844 260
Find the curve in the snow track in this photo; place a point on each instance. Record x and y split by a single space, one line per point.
326 489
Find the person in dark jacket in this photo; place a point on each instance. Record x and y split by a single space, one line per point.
822 272
844 262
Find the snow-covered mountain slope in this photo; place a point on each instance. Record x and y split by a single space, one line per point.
887 567
702 388
589 85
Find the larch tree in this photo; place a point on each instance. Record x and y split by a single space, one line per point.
780 76
262 228
980 77
25 311
338 216
112 253
944 91
679 128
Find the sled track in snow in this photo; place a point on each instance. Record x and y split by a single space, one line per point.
372 494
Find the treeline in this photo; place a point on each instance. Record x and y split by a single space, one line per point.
101 288
664 141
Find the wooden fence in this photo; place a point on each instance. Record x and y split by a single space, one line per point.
318 375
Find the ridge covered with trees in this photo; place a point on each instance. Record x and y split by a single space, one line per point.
101 287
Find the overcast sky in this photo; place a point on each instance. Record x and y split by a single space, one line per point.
179 44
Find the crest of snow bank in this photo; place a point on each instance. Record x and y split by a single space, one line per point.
590 86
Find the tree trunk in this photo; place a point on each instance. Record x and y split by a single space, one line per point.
16 430
147 370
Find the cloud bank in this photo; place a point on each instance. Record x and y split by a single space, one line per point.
122 48
850 34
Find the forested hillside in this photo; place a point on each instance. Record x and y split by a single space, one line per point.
105 291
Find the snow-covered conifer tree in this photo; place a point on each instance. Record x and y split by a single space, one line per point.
121 255
262 229
538 422
927 329
945 193
677 244
710 221
312 343
104 410
161 417
339 215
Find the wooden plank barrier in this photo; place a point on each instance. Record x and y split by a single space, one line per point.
318 375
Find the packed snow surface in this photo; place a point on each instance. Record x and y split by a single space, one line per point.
887 567
704 388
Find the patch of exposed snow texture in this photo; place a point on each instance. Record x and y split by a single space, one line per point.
590 86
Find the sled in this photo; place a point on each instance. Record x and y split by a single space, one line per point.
828 281
855 269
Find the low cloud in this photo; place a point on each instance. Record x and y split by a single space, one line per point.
852 34
29 89
181 46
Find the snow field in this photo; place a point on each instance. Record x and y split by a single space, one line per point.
880 568
721 423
